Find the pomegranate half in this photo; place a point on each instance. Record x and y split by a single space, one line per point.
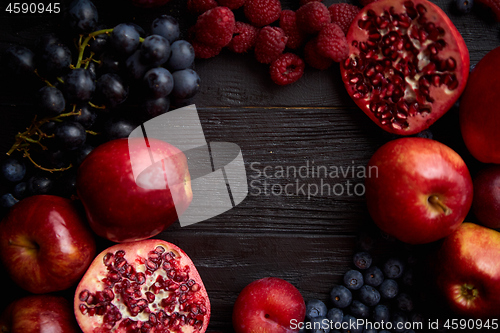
407 64
143 286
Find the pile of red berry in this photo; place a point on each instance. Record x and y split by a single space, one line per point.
286 40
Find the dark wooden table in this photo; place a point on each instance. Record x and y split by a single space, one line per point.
307 241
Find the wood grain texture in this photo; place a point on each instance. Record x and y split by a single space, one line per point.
308 241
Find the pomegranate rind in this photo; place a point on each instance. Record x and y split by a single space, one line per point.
440 97
136 253
480 109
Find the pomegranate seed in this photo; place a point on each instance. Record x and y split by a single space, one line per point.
84 295
451 64
405 22
397 125
83 308
108 259
453 84
140 278
354 79
422 35
120 263
423 82
386 115
150 296
108 295
364 24
409 4
154 256
381 23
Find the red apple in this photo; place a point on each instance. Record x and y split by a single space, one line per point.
486 202
468 271
45 244
269 305
480 109
124 207
418 190
39 314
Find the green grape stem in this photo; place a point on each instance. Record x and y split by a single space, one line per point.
28 156
24 139
83 44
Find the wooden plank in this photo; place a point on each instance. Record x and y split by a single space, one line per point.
306 240
227 262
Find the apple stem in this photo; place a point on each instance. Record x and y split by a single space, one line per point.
469 292
435 201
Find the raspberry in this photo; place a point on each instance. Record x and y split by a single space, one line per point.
198 7
287 69
313 58
203 51
244 37
343 14
215 27
231 4
262 12
312 17
270 44
288 23
331 43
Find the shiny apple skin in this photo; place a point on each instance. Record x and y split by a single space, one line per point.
46 244
117 208
410 171
471 257
268 305
39 314
480 109
486 202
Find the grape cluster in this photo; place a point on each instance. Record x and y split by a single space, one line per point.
382 294
100 90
